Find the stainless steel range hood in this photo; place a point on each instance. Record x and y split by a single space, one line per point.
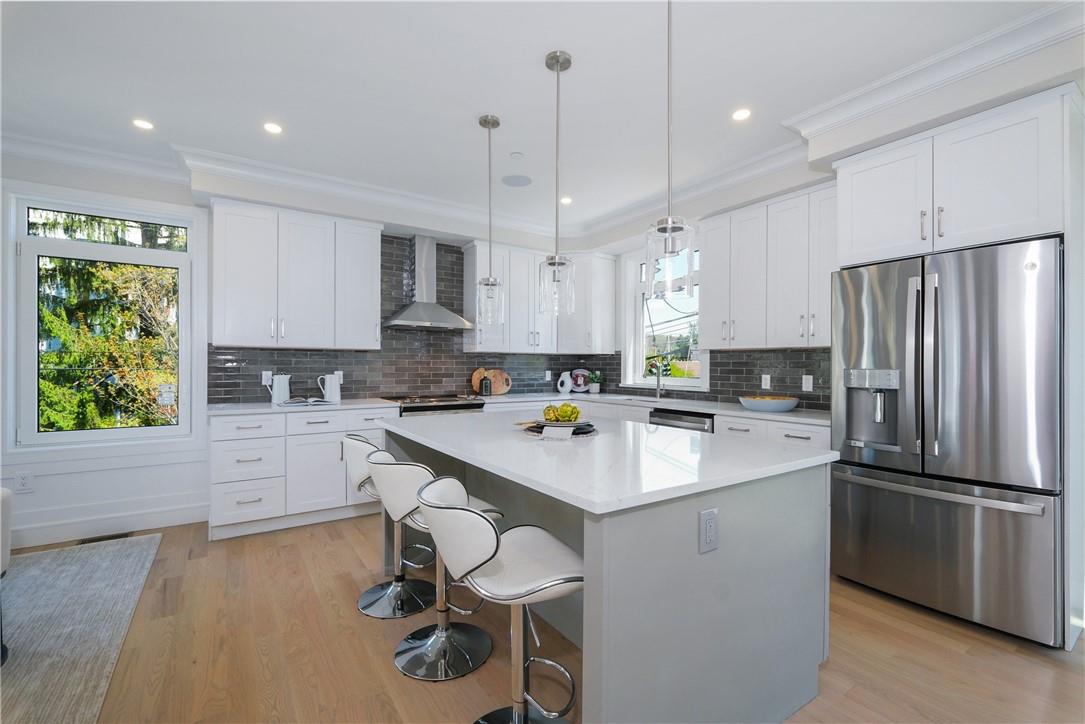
424 312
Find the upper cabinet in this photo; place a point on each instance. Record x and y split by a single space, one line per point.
748 282
530 329
884 202
287 279
476 265
987 178
590 329
823 235
788 274
714 287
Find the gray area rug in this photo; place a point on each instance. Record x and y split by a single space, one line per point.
66 612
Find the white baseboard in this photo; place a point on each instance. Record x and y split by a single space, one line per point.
220 532
45 533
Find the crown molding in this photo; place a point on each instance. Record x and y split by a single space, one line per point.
1028 34
39 149
223 164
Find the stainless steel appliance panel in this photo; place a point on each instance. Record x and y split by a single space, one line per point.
979 553
876 364
991 369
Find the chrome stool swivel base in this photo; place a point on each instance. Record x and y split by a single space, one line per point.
444 650
397 598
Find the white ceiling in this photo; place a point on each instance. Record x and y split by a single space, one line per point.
388 93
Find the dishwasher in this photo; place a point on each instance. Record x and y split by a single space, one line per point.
685 419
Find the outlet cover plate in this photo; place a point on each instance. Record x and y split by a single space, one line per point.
766 382
708 532
807 383
265 377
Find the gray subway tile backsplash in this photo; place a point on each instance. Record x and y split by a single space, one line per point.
423 362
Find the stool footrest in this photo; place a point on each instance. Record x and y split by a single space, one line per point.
464 611
561 670
411 564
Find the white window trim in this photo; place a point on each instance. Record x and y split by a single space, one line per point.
632 294
21 440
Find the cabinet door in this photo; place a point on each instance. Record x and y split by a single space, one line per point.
315 472
357 286
490 337
244 271
714 286
787 272
601 338
999 178
748 278
306 280
884 204
523 272
822 265
546 324
574 330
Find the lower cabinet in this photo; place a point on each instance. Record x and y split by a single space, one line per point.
248 500
315 469
792 433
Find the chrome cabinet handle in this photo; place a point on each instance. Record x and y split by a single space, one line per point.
802 325
538 339
370 419
940 210
923 224
248 427
317 422
739 429
249 460
732 329
249 501
282 328
340 449
530 339
272 321
796 437
812 324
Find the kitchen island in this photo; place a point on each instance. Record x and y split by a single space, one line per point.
666 633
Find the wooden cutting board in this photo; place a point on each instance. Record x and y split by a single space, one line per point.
500 382
476 378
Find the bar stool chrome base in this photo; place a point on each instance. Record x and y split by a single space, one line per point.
397 599
435 653
508 715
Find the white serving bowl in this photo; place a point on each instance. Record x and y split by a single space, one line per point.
775 404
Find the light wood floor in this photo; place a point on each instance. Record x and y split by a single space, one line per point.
264 628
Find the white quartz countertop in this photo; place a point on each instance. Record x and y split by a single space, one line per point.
805 417
625 465
258 408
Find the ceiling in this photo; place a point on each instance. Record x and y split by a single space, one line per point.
388 93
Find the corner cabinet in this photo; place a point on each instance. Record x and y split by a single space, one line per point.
748 283
590 329
289 279
485 337
714 287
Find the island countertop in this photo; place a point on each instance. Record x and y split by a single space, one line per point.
625 465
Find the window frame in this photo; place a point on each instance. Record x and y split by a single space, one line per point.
25 302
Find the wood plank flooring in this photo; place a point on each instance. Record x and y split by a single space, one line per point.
264 628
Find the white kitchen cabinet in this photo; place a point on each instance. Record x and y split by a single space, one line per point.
357 285
590 329
247 500
244 261
788 272
999 176
288 279
714 283
823 235
306 280
748 313
315 472
884 202
530 330
486 337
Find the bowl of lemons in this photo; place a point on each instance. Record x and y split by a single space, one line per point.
769 403
564 415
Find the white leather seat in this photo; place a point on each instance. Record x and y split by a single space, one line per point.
356 450
530 566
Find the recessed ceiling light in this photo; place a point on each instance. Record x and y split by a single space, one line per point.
516 180
741 114
141 123
517 155
566 200
274 128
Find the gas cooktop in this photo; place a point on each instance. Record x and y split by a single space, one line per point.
431 404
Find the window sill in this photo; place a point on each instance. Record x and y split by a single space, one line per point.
698 386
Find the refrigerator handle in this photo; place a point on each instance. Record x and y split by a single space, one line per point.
931 382
976 501
912 377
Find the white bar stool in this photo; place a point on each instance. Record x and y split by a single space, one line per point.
402 596
523 565
441 651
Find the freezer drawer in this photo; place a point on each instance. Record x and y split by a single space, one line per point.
986 555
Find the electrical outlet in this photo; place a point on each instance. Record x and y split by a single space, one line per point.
24 482
265 377
766 382
339 376
548 376
807 383
708 530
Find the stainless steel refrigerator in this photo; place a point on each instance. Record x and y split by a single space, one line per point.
947 386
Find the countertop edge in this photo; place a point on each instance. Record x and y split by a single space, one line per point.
223 409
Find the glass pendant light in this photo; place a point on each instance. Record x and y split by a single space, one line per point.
670 239
556 272
490 298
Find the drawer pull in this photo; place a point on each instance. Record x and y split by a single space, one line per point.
317 422
796 437
249 501
247 427
250 460
371 419
739 429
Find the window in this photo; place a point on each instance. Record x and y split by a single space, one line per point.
102 303
664 332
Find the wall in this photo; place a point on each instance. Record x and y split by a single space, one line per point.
421 362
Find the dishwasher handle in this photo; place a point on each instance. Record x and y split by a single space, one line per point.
683 420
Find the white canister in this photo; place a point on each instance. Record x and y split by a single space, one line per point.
565 383
280 389
329 385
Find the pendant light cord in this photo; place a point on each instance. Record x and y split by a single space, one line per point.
557 161
490 198
668 111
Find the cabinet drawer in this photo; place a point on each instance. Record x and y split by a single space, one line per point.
307 423
247 459
741 427
366 419
801 435
240 427
248 500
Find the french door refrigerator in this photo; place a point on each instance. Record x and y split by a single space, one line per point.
946 413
